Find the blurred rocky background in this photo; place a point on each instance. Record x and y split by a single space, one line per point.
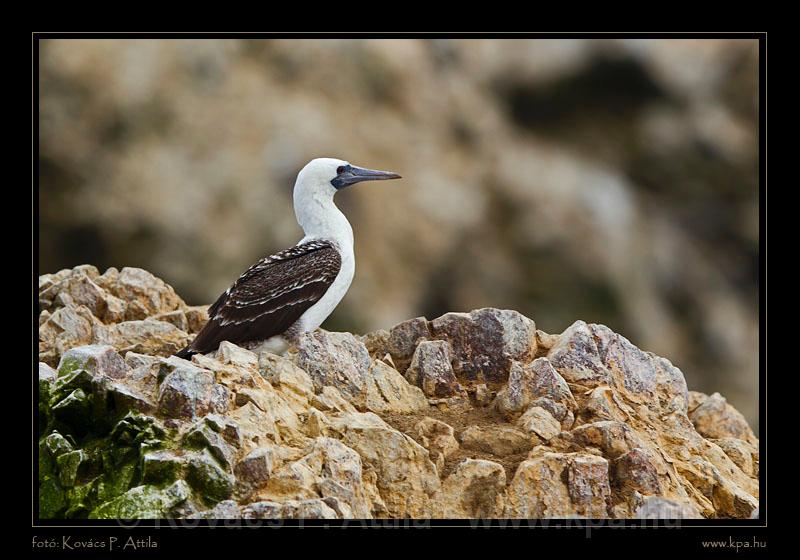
615 181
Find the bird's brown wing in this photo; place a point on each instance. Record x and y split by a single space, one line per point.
270 296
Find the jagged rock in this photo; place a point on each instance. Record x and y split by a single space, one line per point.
577 359
255 468
208 477
136 429
655 507
74 409
123 397
545 341
68 464
317 424
47 376
430 369
486 341
196 317
686 463
257 426
593 355
671 386
232 376
330 399
557 410
342 510
263 510
84 393
475 491
341 477
540 423
588 485
406 477
279 413
635 471
290 509
500 441
329 470
96 358
403 339
149 336
722 495
144 378
113 297
202 435
227 509
162 465
143 502
57 445
50 285
394 393
46 373
177 318
341 361
79 287
599 404
715 418
438 438
338 360
229 353
377 343
744 454
144 293
189 392
71 380
107 279
66 328
285 376
632 369
84 307
136 360
611 438
227 427
528 382
560 485
83 291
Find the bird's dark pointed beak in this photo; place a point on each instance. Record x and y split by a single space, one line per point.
353 175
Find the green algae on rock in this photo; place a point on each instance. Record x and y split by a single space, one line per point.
143 502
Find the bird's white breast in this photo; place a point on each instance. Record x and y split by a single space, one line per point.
317 313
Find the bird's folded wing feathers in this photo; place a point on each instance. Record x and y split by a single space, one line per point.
271 295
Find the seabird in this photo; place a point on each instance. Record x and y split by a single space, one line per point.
292 292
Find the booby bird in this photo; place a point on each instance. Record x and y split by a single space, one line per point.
293 291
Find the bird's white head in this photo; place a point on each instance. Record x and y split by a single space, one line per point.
329 175
316 184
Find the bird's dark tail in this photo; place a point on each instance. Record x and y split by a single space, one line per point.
186 353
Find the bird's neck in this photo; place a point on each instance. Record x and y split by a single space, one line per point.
321 219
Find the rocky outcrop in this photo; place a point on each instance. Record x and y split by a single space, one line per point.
492 418
131 310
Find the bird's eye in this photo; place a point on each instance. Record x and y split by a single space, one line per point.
340 169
